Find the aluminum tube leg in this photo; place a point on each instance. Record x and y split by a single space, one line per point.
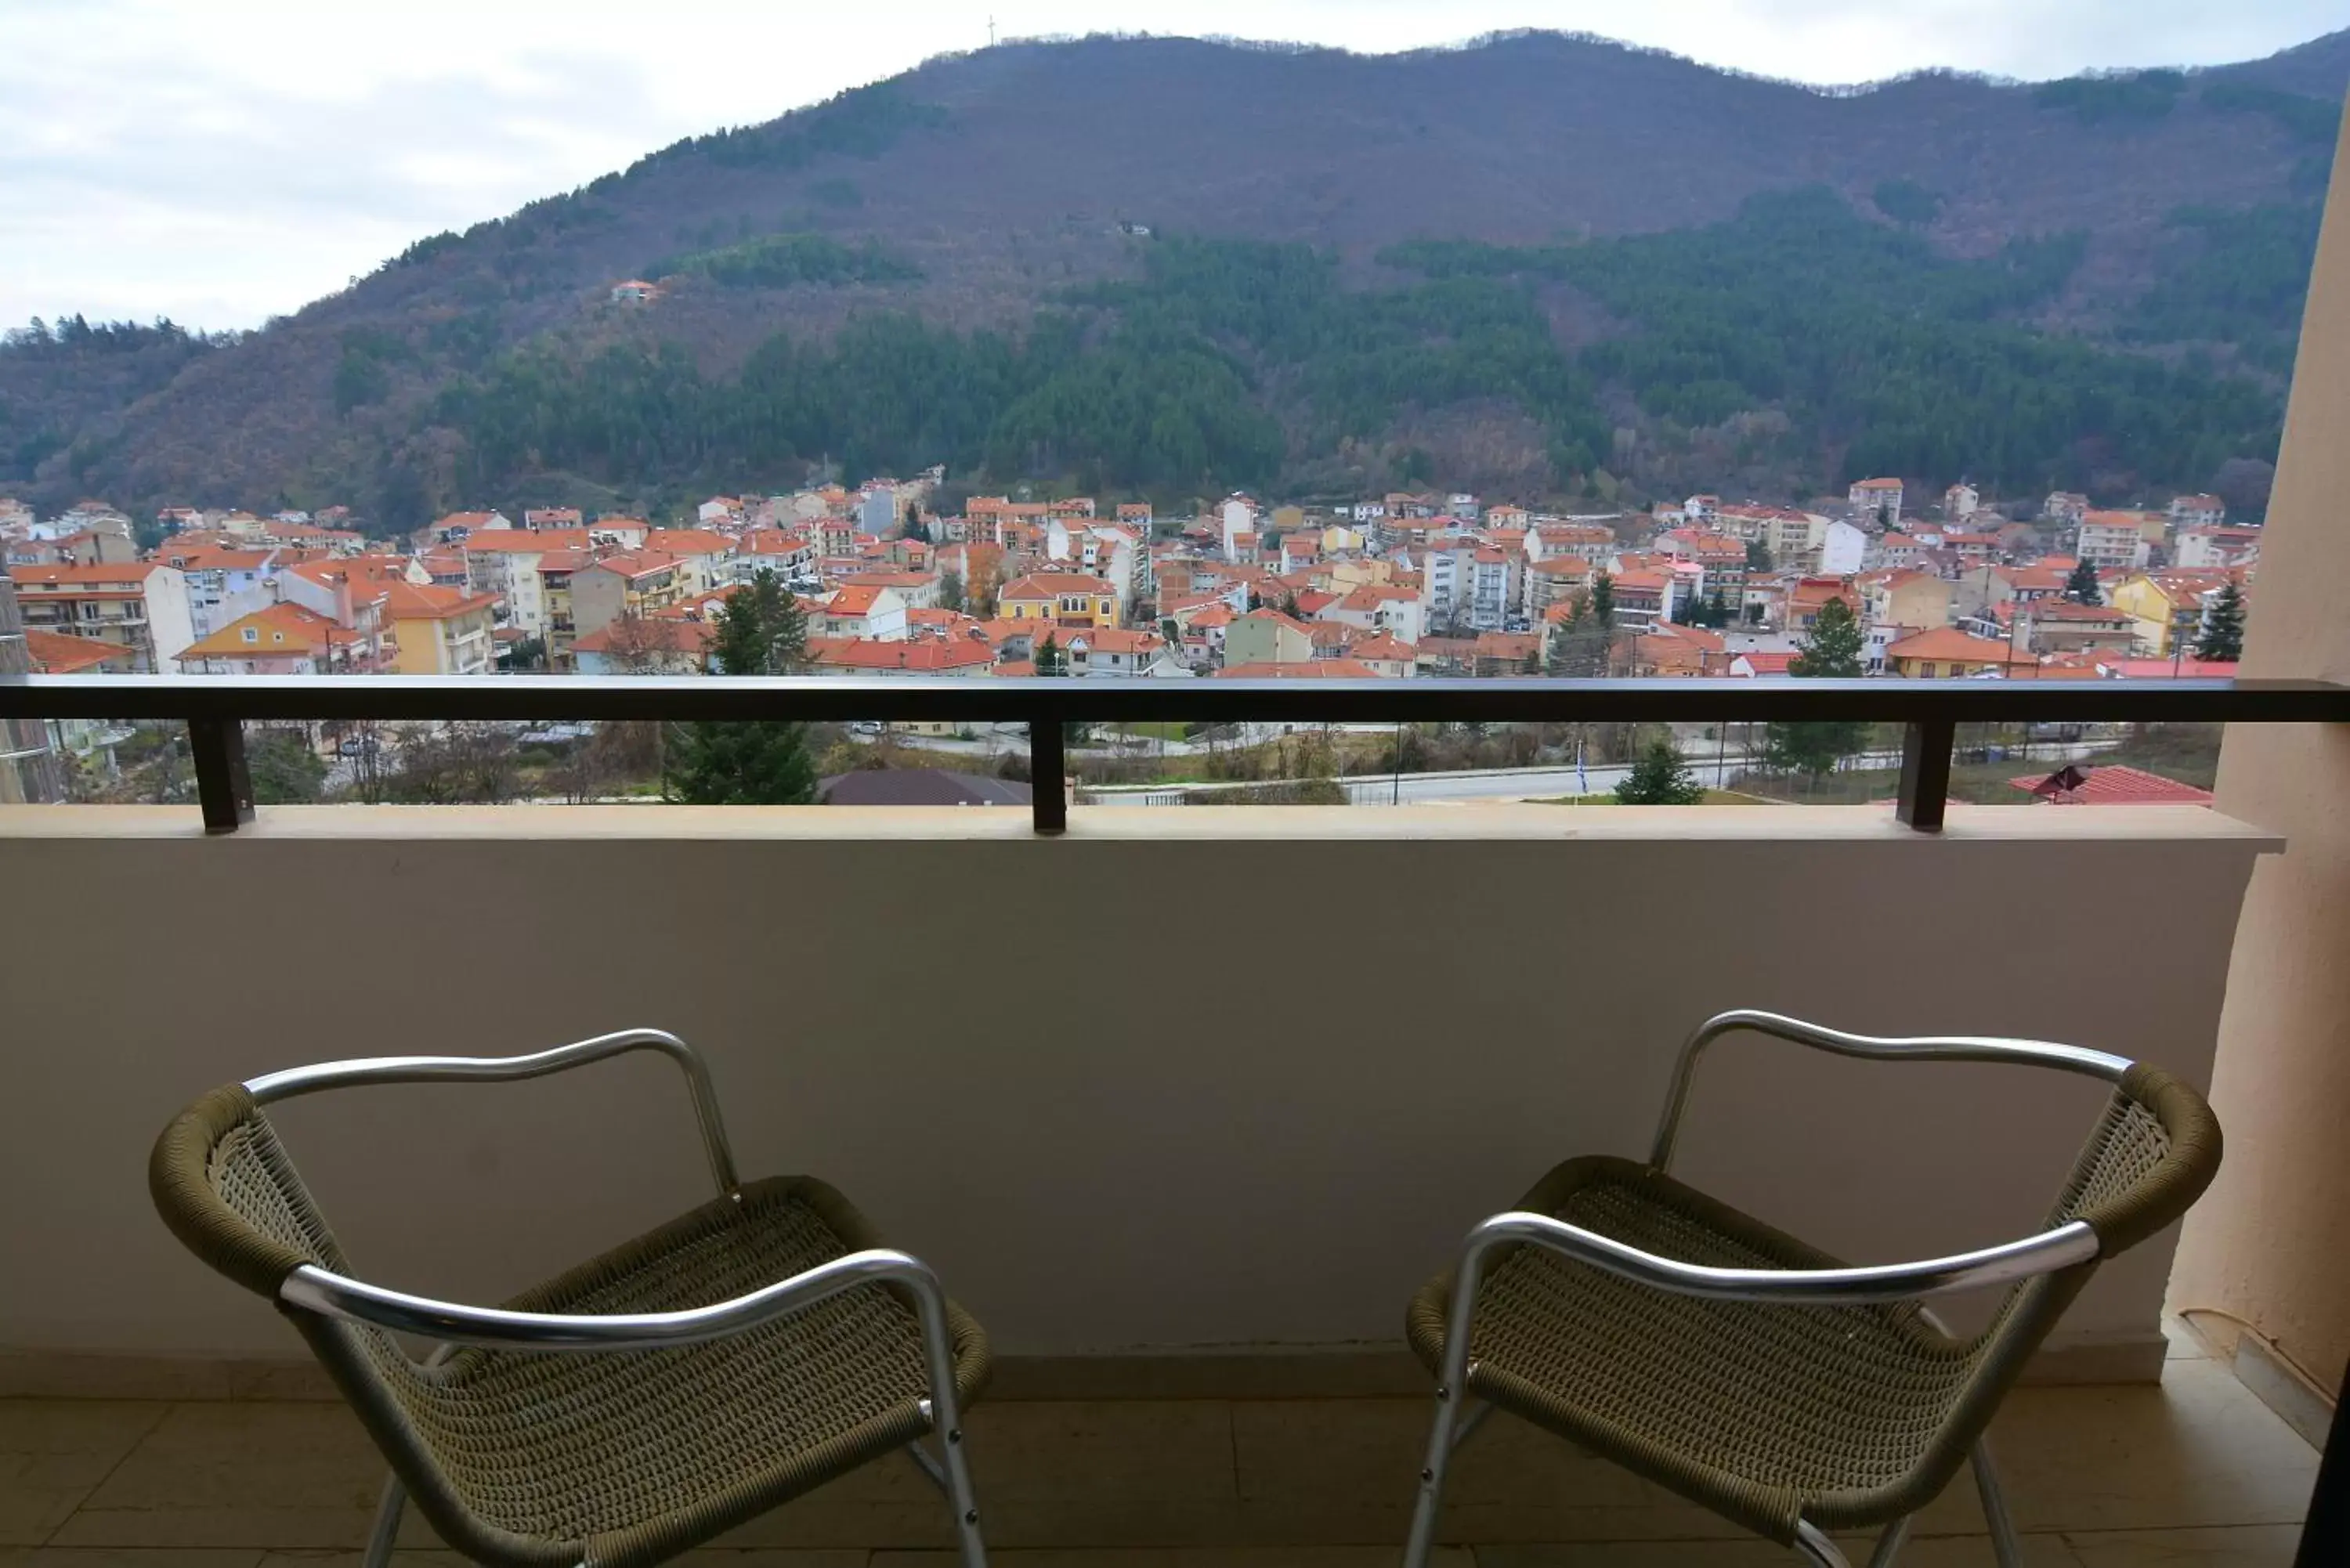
948 1422
2004 1544
387 1524
1889 1545
1815 1546
921 1457
1441 1442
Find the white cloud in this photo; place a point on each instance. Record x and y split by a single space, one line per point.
221 160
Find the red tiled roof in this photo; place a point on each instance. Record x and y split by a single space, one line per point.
2113 785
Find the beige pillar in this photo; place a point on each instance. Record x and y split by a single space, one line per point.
2270 1245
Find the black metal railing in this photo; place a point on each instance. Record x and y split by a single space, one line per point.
215 707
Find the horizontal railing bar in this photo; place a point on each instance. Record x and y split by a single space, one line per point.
1098 699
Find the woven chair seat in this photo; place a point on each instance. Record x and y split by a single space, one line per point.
568 1447
614 1457
1761 1411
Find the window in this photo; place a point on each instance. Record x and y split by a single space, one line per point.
251 635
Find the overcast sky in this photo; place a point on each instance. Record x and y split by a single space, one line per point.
222 160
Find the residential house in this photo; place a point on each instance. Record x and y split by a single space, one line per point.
1641 599
2216 545
219 578
1802 599
1267 637
1488 587
2197 512
1388 657
504 562
141 607
1556 578
1899 603
703 557
860 613
626 583
663 644
282 639
438 630
1721 558
1380 607
1842 550
1113 651
1960 501
2064 508
537 519
1674 649
1065 598
1948 652
2060 626
2112 539
1876 501
968 655
2168 606
787 555
916 590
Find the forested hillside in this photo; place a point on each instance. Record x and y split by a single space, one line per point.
1175 267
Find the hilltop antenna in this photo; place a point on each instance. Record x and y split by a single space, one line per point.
990 29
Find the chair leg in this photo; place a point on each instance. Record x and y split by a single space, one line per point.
1817 1549
1442 1441
1889 1545
946 1420
387 1524
2003 1542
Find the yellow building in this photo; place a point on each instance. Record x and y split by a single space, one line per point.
439 631
1063 598
2167 605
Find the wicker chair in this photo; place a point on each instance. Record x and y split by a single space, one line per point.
737 1357
1753 1373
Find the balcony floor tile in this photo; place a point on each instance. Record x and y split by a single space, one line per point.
2196 1473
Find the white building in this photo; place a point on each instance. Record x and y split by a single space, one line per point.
1843 547
2197 512
1238 518
1961 499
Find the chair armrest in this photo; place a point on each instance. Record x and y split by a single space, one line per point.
2068 1244
334 1295
1914 1048
368 1069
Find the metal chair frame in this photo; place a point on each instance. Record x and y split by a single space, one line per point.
317 1290
2045 1252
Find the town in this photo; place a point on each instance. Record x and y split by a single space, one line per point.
889 582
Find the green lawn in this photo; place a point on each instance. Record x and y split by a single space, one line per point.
1155 730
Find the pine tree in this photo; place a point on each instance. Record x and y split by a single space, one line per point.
1716 610
1661 777
1050 659
1603 601
2080 586
2223 629
761 631
1831 649
1578 645
950 591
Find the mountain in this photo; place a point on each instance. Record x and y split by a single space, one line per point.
1542 265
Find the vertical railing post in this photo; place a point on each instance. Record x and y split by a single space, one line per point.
1048 776
1926 772
223 784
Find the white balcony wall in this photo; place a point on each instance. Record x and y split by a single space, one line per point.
1108 1133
